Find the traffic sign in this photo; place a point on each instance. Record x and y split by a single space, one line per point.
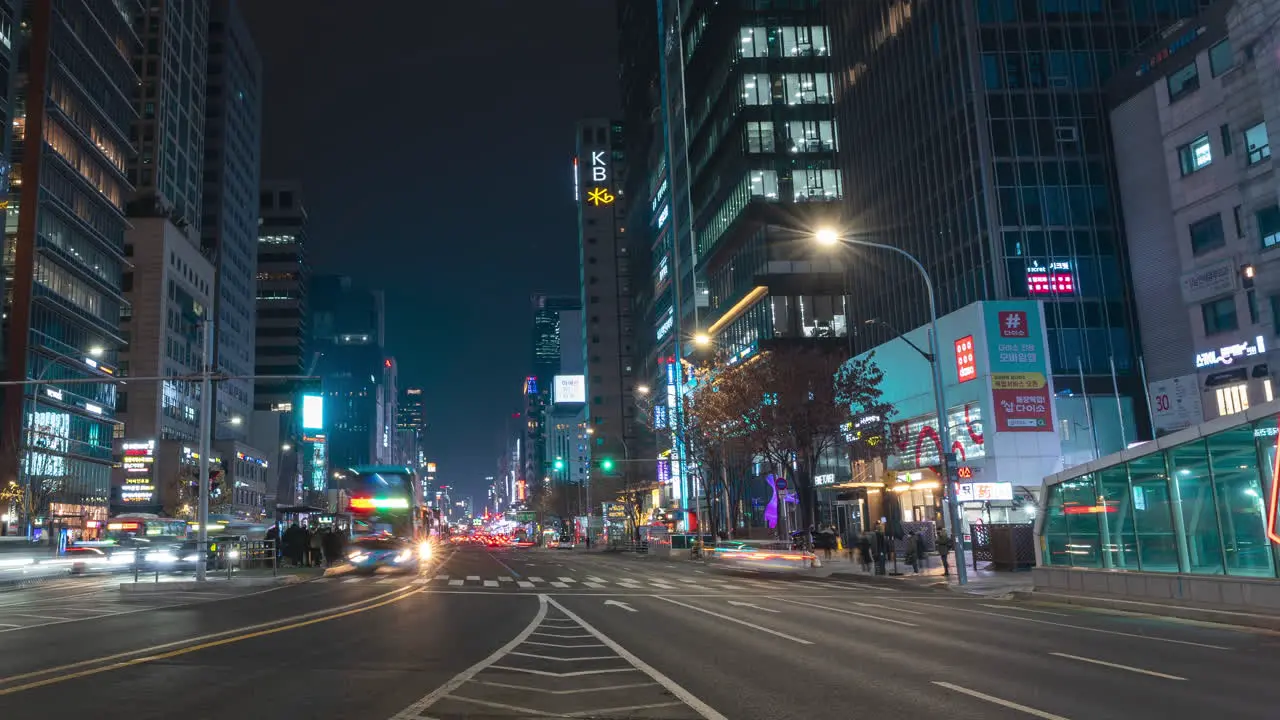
781 483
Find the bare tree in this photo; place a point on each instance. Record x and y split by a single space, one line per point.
797 419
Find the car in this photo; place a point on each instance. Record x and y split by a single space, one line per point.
371 554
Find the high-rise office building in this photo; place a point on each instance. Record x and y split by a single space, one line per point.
169 131
358 380
604 249
745 161
8 61
63 296
982 148
412 412
283 278
549 333
229 230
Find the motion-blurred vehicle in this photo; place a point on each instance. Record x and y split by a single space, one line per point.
747 555
373 553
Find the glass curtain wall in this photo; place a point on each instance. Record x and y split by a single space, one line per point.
1197 508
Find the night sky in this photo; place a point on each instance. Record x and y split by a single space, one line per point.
434 142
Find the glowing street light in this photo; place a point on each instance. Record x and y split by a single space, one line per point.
642 389
826 236
702 339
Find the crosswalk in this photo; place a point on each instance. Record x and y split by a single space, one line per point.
596 582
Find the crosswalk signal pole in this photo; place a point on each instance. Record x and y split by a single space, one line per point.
206 431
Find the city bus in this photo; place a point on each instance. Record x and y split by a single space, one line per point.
382 500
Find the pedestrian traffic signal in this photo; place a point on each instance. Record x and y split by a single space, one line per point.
606 464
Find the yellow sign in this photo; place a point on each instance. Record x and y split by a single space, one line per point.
1017 381
600 196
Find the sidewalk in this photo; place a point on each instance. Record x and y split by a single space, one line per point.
988 583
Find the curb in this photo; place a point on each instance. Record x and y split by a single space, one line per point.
180 585
1182 612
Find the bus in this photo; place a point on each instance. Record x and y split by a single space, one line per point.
144 528
382 500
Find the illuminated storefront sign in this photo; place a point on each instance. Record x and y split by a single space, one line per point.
984 492
966 363
1228 354
664 471
138 460
1053 280
666 325
1018 362
600 196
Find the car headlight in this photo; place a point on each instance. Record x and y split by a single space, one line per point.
191 558
403 555
233 554
424 550
161 557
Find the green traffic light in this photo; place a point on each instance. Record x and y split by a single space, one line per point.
559 464
606 464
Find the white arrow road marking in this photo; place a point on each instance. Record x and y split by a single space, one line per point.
622 605
751 605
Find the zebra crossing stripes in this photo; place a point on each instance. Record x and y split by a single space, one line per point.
629 584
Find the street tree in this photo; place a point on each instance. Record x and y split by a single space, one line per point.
868 419
796 419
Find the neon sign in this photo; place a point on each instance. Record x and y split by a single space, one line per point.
1228 354
1053 280
367 503
600 196
966 362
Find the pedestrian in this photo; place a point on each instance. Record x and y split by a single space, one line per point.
827 539
913 558
945 545
864 551
314 541
295 540
921 557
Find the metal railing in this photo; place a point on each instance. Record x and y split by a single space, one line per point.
222 558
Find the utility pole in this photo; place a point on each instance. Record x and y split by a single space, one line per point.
206 431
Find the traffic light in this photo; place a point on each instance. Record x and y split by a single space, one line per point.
606 464
558 464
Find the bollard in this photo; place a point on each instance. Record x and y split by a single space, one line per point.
135 566
275 562
226 560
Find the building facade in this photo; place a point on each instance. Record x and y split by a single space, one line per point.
548 353
604 250
283 277
1200 208
229 229
169 133
65 241
988 120
171 288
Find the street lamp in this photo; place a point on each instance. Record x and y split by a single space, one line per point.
642 389
97 351
830 237
236 421
702 339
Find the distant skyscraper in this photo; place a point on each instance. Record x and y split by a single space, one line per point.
283 278
548 325
169 131
229 230
63 299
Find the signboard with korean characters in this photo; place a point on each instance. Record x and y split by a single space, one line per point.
1022 398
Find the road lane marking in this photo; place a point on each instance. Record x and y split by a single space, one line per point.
688 698
562 637
491 583
560 645
473 578
1118 666
567 580
594 585
574 691
559 584
1022 609
846 612
998 701
744 623
354 580
593 578
888 607
524 711
1072 627
535 579
442 577
524 584
364 606
563 659
455 582
548 673
40 617
505 578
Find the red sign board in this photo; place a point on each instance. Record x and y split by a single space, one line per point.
1051 283
964 472
1023 410
1013 324
966 363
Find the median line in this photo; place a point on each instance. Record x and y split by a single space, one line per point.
205 639
1117 666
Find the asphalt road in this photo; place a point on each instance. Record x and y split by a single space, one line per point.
534 633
